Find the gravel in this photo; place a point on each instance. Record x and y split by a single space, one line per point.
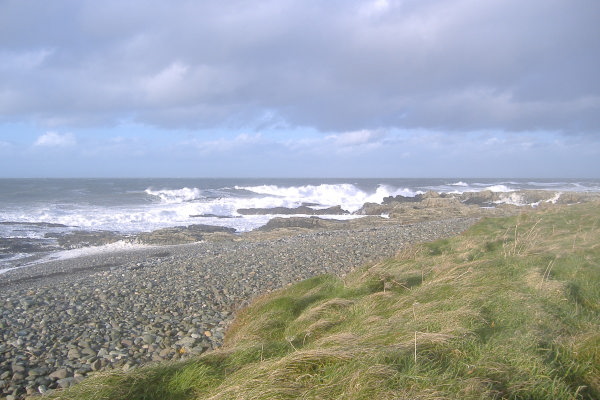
65 319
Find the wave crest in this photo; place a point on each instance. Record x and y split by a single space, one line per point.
177 195
499 188
346 195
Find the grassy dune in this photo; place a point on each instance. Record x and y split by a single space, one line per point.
509 309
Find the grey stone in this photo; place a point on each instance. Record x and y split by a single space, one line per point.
102 353
73 354
187 342
18 376
88 352
96 365
59 374
17 368
149 338
65 382
26 303
35 372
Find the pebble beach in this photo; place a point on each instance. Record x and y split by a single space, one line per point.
66 319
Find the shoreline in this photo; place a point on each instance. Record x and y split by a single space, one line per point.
67 318
28 243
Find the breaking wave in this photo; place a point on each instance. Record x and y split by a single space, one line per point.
176 196
346 195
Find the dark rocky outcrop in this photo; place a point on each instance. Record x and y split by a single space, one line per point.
432 205
181 234
299 222
77 239
213 216
303 210
484 198
21 245
41 224
414 199
488 198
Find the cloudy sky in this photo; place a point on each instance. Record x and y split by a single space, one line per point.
302 88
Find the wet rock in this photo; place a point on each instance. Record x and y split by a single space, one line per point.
213 216
29 245
484 198
74 240
301 210
182 234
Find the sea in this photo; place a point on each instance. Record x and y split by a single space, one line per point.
35 212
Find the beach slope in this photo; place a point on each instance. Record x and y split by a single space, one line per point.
67 319
508 309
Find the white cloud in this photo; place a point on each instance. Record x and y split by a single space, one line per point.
53 139
181 87
346 142
225 144
168 82
374 8
356 138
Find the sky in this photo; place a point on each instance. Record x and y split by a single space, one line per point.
300 88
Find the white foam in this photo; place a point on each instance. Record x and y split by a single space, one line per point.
87 251
461 187
177 195
554 198
498 188
346 195
182 206
513 198
2 271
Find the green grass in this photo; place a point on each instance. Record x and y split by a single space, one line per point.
508 310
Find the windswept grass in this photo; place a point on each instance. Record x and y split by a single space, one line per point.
510 309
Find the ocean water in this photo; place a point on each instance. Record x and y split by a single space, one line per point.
33 212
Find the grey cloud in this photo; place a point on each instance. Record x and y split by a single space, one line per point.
336 66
